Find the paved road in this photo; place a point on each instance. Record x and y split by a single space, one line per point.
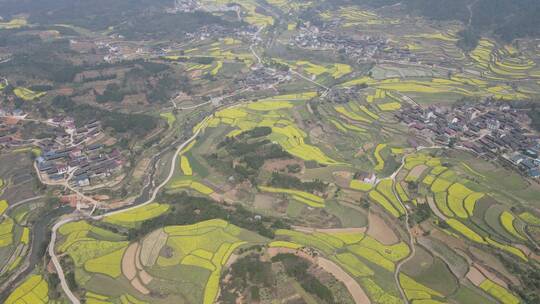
409 233
35 198
51 249
167 179
56 262
34 256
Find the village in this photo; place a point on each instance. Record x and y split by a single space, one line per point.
360 46
74 155
491 129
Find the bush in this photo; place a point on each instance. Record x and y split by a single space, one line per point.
298 269
188 209
279 180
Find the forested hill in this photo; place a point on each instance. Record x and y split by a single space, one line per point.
508 19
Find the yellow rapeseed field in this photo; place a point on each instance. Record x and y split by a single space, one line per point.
508 248
285 244
351 115
185 166
353 265
109 264
389 106
134 216
27 94
499 292
507 221
301 196
33 290
466 231
360 185
381 200
3 206
415 290
530 218
378 157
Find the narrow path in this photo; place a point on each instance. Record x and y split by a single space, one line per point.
310 80
411 239
76 217
409 233
167 179
52 253
252 46
410 243
470 7
25 201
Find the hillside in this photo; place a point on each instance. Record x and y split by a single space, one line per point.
269 151
508 19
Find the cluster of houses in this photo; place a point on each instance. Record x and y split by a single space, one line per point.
490 129
264 78
71 156
83 165
356 46
72 134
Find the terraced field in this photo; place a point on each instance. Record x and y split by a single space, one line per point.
198 252
366 259
288 113
33 290
137 216
27 94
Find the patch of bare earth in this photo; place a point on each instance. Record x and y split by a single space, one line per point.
528 252
343 178
418 170
132 269
151 246
281 164
110 141
490 275
232 259
141 168
230 195
475 276
351 197
144 276
101 197
379 230
135 99
451 242
264 201
316 132
137 284
128 262
494 264
64 91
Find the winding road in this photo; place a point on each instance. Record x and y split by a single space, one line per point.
76 217
154 192
408 228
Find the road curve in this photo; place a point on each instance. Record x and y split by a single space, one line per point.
52 253
56 262
25 201
167 179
